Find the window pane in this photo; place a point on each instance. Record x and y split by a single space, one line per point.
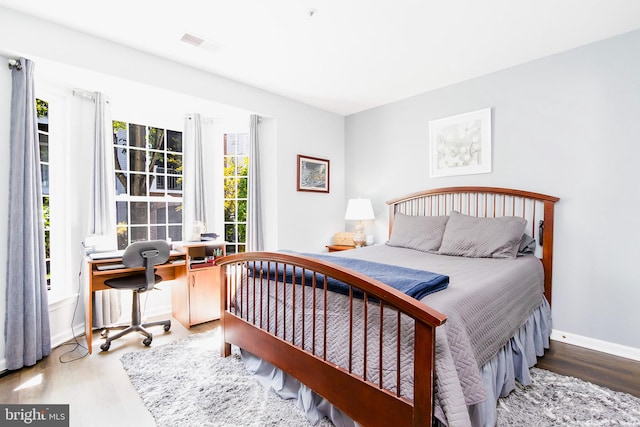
242 233
174 141
174 185
242 188
229 233
158 213
44 147
156 139
138 160
123 236
175 213
121 183
158 232
139 213
157 185
158 162
138 185
138 234
44 175
137 136
122 214
175 233
229 166
120 159
230 210
119 133
174 163
243 166
230 190
243 145
242 212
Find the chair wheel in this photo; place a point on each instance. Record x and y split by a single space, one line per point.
104 333
105 346
147 341
167 327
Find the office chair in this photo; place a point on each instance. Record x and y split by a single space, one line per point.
139 254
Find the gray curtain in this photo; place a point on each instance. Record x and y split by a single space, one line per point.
102 208
254 205
193 193
27 331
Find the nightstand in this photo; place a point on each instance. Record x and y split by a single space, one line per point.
337 248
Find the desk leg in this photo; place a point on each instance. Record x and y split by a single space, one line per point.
88 312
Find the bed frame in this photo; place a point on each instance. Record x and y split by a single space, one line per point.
368 402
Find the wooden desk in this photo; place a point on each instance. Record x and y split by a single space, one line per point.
168 271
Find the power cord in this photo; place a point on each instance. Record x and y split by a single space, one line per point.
74 341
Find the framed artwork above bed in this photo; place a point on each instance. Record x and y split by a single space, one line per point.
461 144
313 174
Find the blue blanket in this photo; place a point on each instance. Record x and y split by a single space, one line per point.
415 283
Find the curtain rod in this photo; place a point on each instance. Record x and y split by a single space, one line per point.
84 94
15 63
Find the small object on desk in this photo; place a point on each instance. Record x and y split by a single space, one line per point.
337 248
205 237
110 267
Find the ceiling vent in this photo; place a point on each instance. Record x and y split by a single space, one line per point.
200 42
192 40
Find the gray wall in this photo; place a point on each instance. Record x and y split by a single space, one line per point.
566 125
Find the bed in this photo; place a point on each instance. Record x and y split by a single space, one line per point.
361 352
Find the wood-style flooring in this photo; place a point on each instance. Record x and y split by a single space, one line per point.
99 392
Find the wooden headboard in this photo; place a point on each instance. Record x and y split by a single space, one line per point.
484 202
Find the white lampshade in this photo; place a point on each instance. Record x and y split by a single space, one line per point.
359 209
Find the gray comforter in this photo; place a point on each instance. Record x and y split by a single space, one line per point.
486 302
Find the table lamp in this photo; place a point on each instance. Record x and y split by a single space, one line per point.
359 210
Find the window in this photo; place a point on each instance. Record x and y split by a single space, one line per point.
236 168
42 108
148 166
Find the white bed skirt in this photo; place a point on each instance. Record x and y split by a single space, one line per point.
499 375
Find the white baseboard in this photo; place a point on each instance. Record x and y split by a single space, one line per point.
597 345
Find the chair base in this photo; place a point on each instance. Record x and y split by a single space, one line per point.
127 329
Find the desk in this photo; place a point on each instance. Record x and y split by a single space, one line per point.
168 271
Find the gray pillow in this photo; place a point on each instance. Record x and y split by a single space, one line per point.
527 245
423 233
482 237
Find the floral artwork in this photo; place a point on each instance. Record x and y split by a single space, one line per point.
461 145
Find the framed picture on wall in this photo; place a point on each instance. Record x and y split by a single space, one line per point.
313 174
460 145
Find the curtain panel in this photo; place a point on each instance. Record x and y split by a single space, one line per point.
27 329
102 206
255 239
194 212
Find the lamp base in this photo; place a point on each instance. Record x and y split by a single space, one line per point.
359 240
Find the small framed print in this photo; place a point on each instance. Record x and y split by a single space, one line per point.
313 174
460 145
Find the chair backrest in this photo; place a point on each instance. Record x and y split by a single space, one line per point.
146 254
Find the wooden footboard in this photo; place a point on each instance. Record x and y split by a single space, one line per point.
277 307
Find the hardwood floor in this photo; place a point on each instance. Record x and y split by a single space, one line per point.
96 386
616 373
99 392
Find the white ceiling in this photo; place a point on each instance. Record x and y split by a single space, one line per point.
351 55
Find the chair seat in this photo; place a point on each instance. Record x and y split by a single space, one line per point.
134 281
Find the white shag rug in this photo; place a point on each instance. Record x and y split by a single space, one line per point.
187 383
